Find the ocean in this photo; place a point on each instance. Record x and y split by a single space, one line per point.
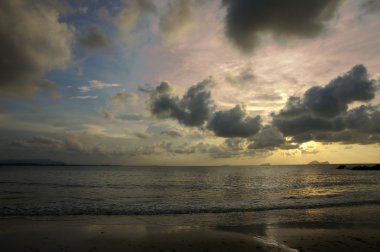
154 190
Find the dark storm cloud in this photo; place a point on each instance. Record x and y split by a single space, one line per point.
32 42
294 106
234 123
307 123
323 115
364 119
268 138
94 39
193 109
247 20
333 99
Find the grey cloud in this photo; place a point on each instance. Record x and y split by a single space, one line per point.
123 97
37 141
171 133
32 42
370 6
247 20
131 117
108 115
268 97
215 151
236 144
333 99
307 123
146 5
234 123
128 17
193 109
301 119
268 138
346 136
94 39
178 19
294 106
146 88
244 77
364 119
71 145
323 115
45 140
142 135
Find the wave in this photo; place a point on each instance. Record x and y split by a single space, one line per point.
113 209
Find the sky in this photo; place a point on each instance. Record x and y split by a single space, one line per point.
196 82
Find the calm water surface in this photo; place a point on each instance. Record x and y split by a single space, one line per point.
75 190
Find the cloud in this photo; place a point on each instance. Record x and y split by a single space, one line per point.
370 6
142 135
333 99
32 41
307 123
146 88
314 116
365 119
244 77
247 21
103 13
268 138
171 133
131 117
108 115
123 98
234 123
178 20
94 39
128 17
95 84
85 97
214 151
323 115
293 107
193 109
268 97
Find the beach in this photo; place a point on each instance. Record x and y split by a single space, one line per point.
325 229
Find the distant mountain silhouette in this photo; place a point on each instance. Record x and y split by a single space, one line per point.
31 162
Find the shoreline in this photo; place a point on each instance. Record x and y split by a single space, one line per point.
328 229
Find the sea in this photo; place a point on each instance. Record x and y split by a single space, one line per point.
157 190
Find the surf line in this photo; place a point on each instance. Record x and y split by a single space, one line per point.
274 243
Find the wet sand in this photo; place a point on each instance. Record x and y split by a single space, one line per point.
60 236
329 229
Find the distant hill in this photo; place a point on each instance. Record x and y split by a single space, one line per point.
31 162
265 164
315 162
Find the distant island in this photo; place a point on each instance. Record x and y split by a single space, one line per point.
31 162
265 164
315 162
360 168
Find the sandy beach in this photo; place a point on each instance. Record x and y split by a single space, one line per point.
350 232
